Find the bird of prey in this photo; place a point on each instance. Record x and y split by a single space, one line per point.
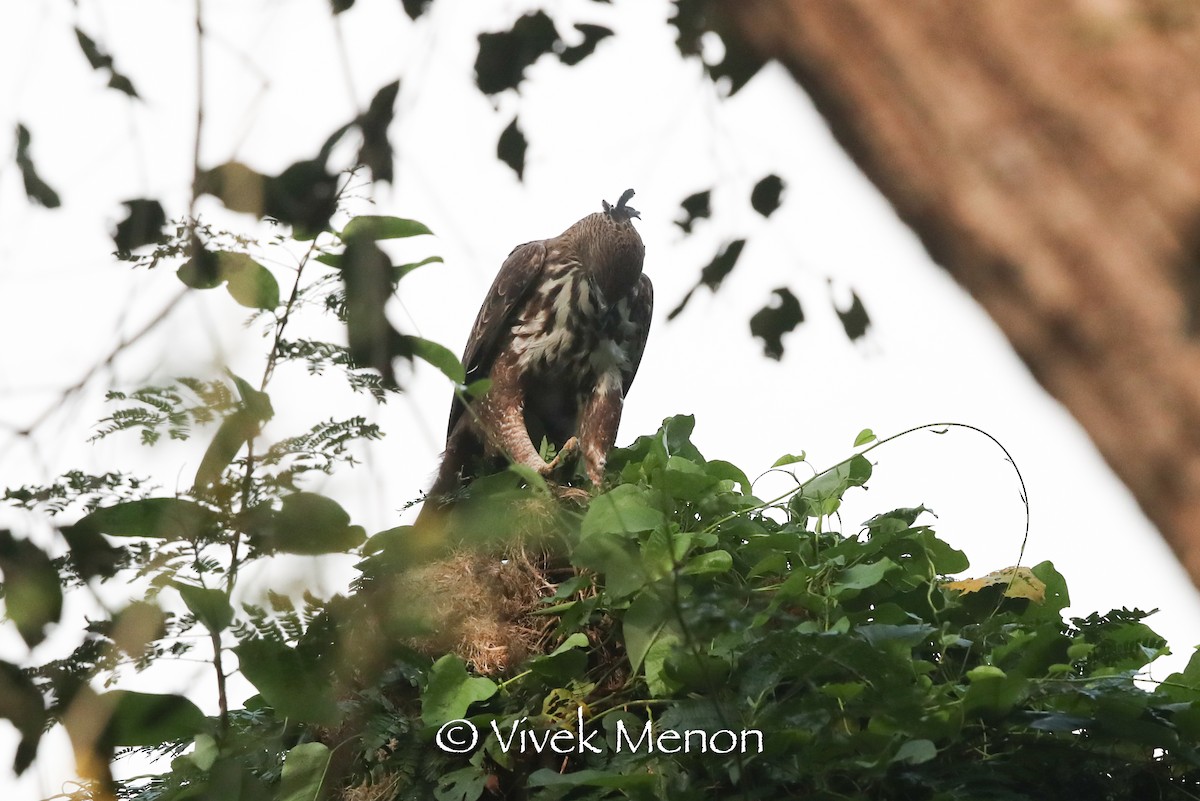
560 335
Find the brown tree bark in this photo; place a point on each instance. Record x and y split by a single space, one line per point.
1048 155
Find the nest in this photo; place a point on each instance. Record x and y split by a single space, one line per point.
479 607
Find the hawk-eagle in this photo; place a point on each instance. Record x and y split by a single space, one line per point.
560 335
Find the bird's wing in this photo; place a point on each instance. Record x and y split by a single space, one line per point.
516 279
641 308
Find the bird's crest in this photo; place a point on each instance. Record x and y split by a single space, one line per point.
621 212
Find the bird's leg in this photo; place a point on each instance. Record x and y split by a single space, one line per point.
568 451
601 415
501 414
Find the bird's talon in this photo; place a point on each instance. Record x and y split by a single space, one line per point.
568 451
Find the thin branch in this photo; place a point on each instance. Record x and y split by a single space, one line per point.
107 361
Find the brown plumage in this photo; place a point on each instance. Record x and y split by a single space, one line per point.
560 335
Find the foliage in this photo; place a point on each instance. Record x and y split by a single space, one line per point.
704 641
682 636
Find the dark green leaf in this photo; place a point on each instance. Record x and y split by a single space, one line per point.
695 207
99 60
151 719
36 189
254 401
511 148
95 57
91 554
32 595
713 273
235 431
414 8
143 225
294 686
376 151
450 691
504 56
22 705
339 6
157 518
367 276
770 323
439 356
211 607
592 35
309 524
766 194
855 320
202 270
304 196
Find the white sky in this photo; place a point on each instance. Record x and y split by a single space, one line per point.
631 115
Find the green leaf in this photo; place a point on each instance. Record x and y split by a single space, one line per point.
684 479
249 283
865 436
402 270
695 207
153 518
770 323
861 576
143 225
211 607
32 594
765 197
100 60
624 509
291 684
652 632
1057 597
36 189
310 524
304 770
821 495
916 752
639 781
464 784
511 148
451 690
709 563
789 458
568 661
21 704
372 227
234 432
439 356
256 402
615 558
91 554
151 719
376 151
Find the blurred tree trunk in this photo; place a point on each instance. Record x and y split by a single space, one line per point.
1048 155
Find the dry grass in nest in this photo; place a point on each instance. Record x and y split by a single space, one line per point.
478 606
382 790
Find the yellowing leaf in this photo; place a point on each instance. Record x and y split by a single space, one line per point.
1018 582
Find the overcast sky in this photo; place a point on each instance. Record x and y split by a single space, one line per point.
633 115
